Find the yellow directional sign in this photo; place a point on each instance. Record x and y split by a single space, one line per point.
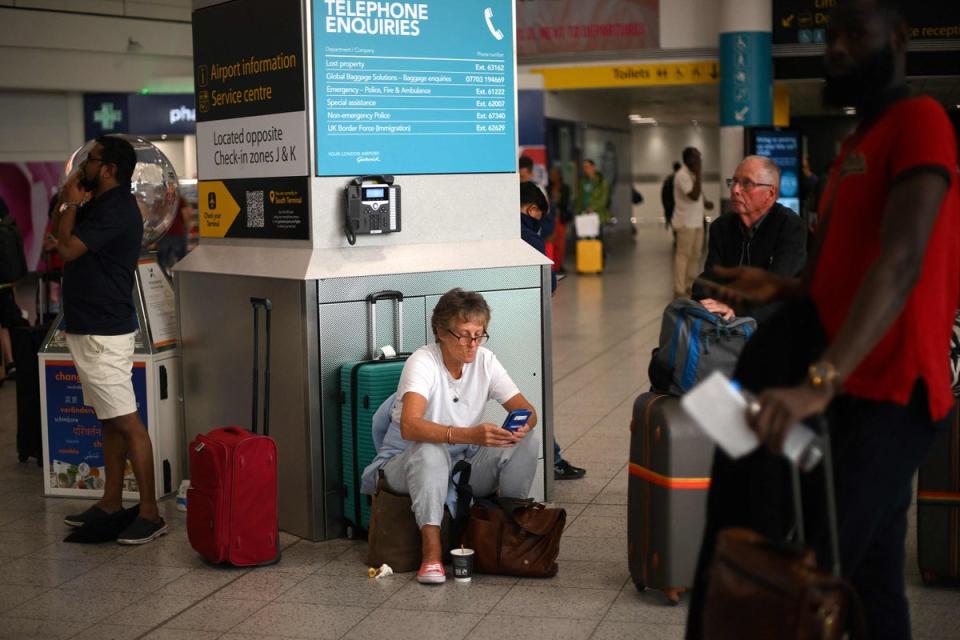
218 209
630 75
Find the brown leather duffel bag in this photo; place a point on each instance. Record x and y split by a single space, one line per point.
760 589
514 537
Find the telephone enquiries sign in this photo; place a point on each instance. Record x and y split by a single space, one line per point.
414 87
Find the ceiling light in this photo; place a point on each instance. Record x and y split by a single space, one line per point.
850 111
636 118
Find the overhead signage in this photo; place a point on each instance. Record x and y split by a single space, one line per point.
746 85
630 75
805 21
251 119
546 27
143 115
162 113
414 87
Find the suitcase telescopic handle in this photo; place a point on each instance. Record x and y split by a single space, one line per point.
372 319
256 303
823 439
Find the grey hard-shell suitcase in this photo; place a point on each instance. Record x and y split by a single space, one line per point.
670 462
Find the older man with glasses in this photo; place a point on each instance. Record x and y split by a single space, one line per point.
757 231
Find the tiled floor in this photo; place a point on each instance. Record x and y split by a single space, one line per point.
604 328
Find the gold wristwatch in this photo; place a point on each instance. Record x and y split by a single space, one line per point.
66 205
822 374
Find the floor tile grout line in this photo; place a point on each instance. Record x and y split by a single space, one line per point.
245 572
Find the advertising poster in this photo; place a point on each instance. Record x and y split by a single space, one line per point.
546 27
251 118
26 188
74 434
414 87
783 147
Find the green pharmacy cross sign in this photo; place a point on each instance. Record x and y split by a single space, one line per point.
107 116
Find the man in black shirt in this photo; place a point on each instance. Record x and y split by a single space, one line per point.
99 229
758 232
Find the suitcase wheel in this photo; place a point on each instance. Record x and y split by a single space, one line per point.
673 595
22 457
928 577
640 585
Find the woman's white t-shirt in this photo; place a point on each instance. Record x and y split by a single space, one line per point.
458 403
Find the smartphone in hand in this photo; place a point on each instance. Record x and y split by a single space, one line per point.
516 419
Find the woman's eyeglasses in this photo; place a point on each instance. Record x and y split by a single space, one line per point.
466 341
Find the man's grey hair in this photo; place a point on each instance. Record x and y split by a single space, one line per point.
769 169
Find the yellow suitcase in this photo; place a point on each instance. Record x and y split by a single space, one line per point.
589 256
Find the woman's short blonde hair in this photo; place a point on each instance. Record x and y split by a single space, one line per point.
457 306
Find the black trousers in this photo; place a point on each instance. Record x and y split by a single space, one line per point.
10 315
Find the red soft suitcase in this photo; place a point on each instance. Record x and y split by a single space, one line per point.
232 513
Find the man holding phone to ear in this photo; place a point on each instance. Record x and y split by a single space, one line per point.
99 230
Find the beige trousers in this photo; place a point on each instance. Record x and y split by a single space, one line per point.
686 260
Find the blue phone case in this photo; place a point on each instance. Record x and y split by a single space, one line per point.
516 419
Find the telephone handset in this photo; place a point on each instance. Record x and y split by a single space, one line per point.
373 206
488 16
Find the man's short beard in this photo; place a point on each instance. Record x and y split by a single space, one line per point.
863 85
88 184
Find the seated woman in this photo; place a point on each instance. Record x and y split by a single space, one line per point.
436 421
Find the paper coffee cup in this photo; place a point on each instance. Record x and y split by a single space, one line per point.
462 564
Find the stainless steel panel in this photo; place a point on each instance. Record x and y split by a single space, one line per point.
547 380
216 328
436 282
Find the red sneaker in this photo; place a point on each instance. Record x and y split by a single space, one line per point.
431 573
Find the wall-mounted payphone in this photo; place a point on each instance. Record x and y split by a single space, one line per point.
373 206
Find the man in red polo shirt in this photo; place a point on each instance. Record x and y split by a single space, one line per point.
884 287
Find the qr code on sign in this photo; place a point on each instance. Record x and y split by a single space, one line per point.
254 209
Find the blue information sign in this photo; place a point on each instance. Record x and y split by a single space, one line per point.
746 79
414 87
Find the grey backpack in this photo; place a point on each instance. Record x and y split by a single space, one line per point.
693 344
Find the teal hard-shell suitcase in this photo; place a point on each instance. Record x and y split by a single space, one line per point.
364 385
